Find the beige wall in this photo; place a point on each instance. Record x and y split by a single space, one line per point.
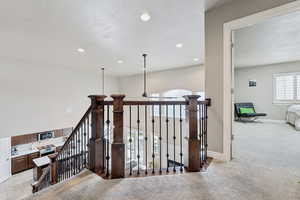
38 97
214 58
262 94
190 78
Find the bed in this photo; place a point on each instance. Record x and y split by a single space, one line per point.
293 116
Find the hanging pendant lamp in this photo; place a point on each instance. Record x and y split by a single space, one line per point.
103 81
145 95
145 78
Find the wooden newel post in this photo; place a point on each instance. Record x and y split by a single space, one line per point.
118 146
97 141
193 151
53 168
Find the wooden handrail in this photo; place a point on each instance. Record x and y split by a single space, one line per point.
50 171
133 103
92 147
36 185
75 129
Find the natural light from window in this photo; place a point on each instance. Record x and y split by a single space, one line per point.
298 87
286 88
177 94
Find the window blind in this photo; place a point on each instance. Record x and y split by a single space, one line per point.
284 87
287 87
298 87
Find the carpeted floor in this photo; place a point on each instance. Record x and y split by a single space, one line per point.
267 144
17 187
266 166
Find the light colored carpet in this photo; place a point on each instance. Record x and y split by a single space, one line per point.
265 167
17 187
267 144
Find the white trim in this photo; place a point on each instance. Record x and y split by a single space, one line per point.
216 155
5 158
228 28
295 99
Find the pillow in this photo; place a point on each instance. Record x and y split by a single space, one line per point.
247 110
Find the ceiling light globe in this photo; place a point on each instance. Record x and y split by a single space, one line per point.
179 45
81 50
145 17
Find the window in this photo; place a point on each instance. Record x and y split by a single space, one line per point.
156 108
287 88
177 94
136 137
298 87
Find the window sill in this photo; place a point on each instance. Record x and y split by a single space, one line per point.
285 102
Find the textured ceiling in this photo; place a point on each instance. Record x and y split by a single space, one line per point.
49 32
274 41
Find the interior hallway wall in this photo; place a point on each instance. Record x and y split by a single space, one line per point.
39 97
262 94
189 78
214 20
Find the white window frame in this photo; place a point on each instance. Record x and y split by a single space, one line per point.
295 100
160 97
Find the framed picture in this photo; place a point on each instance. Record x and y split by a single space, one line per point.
252 83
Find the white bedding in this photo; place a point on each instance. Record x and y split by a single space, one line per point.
293 116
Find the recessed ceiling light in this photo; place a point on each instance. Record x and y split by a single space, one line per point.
145 17
120 61
81 50
179 45
196 59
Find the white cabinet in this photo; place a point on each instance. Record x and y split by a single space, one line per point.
5 160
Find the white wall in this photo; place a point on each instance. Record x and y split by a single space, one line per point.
214 58
42 97
262 94
190 78
38 98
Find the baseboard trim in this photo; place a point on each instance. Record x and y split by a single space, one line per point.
273 121
216 155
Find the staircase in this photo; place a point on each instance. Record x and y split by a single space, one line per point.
118 139
71 159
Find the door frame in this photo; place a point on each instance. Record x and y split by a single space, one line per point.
228 71
6 159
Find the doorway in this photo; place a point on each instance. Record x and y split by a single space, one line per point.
228 85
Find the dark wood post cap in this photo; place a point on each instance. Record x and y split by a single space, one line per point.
97 97
118 96
52 157
208 101
191 97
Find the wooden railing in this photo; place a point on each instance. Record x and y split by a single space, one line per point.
153 137
43 182
72 157
120 138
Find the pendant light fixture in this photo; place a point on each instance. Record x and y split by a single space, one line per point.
145 95
145 77
102 70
